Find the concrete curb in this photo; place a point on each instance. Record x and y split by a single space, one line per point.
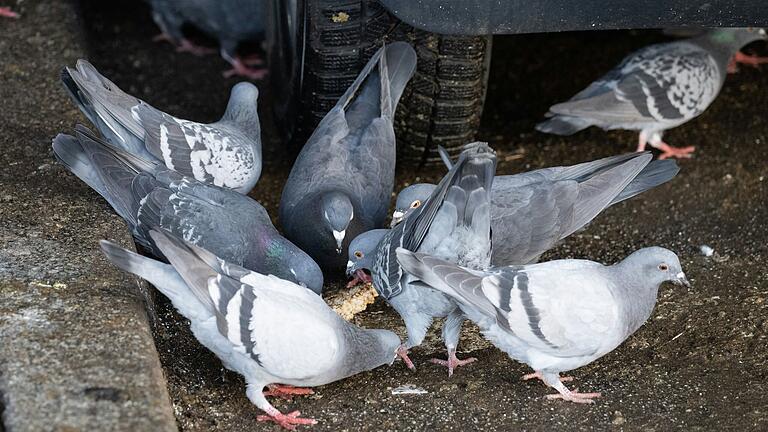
77 350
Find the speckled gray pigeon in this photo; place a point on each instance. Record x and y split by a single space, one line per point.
231 22
226 153
341 183
531 212
454 224
232 225
654 89
558 315
265 328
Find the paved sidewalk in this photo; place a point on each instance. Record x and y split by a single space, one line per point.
76 351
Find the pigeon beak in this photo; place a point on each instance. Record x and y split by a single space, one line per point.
680 279
350 268
397 217
339 236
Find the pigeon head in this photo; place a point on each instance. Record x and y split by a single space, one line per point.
656 265
306 272
387 345
242 109
362 251
369 349
337 212
409 199
737 37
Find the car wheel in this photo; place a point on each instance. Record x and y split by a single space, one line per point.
319 46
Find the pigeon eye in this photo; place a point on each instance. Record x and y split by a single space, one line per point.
416 204
663 267
358 254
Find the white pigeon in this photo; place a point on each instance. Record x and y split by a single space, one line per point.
265 328
558 315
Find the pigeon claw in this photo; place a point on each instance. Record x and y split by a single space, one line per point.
574 396
240 68
6 12
674 152
453 362
360 277
287 392
288 421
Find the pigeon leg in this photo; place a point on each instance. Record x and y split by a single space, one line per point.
674 152
553 380
749 60
252 60
184 45
360 277
538 375
453 362
6 12
240 68
402 352
642 139
288 421
286 391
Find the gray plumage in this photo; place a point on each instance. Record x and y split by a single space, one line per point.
342 180
231 225
454 223
229 21
554 316
226 153
265 328
531 212
654 89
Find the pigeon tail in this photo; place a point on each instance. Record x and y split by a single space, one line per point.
161 275
400 64
654 174
563 125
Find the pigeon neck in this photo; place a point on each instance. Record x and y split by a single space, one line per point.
244 116
635 294
367 349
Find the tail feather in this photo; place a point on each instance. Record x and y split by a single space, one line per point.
654 174
400 65
563 125
162 276
71 154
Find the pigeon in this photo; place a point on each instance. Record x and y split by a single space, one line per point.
231 22
558 315
265 328
654 89
531 212
454 224
342 181
226 153
231 225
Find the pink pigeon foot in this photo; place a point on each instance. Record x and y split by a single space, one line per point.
360 277
288 421
453 362
6 12
402 352
240 68
185 45
749 60
252 60
538 375
571 395
674 152
287 392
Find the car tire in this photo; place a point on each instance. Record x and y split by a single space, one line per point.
442 104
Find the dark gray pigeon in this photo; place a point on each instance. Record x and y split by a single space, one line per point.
265 328
342 181
558 315
226 153
231 225
454 224
654 89
231 22
531 212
